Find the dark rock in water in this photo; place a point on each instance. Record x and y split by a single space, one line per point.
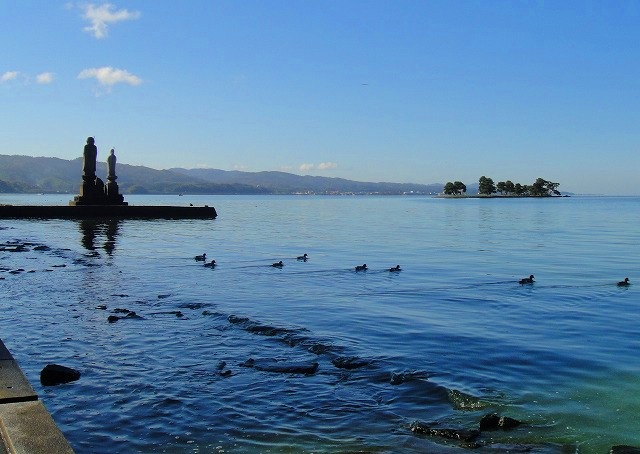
42 248
493 421
235 319
624 449
248 363
119 310
54 374
266 330
113 318
319 349
349 362
452 434
283 367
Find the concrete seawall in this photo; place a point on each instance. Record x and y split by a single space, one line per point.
26 427
106 211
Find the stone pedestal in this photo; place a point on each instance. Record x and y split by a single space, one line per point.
96 193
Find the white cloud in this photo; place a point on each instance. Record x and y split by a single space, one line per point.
101 16
322 166
7 76
327 165
44 78
109 76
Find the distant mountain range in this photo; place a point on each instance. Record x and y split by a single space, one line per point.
26 174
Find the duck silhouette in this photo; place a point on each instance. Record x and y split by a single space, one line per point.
624 283
395 268
526 280
362 267
201 258
278 264
211 264
303 257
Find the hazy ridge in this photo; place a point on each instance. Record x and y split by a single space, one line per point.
26 174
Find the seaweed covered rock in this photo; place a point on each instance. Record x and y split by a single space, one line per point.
452 434
494 421
624 449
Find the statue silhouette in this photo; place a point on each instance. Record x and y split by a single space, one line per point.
89 162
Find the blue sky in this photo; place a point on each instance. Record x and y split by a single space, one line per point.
402 91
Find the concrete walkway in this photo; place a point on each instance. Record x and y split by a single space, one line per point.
26 427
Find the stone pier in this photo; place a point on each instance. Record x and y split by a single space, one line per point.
25 424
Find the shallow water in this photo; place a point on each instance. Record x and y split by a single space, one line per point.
449 339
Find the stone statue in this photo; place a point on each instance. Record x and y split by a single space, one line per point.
89 161
111 164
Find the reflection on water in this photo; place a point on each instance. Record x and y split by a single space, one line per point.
106 229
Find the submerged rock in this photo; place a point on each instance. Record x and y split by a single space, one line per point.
494 421
624 449
452 434
282 367
54 374
349 362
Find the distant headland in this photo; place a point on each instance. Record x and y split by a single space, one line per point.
100 200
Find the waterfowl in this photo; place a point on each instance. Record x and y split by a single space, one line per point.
211 264
200 258
624 283
362 267
395 268
527 280
303 257
278 264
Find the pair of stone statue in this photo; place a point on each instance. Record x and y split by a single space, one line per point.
93 190
89 162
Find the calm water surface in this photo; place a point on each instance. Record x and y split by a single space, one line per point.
447 340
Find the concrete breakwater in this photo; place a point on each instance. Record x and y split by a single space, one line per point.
108 211
25 424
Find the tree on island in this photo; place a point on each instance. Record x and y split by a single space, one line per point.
486 186
540 188
455 188
544 188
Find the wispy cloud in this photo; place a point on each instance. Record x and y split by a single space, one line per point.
108 76
45 78
327 166
322 166
102 16
9 75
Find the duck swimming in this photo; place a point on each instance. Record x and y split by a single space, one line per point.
395 268
303 257
624 283
362 267
278 264
200 258
527 280
211 264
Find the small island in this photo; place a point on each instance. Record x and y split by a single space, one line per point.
488 189
100 200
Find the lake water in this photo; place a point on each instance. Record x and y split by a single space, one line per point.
447 340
